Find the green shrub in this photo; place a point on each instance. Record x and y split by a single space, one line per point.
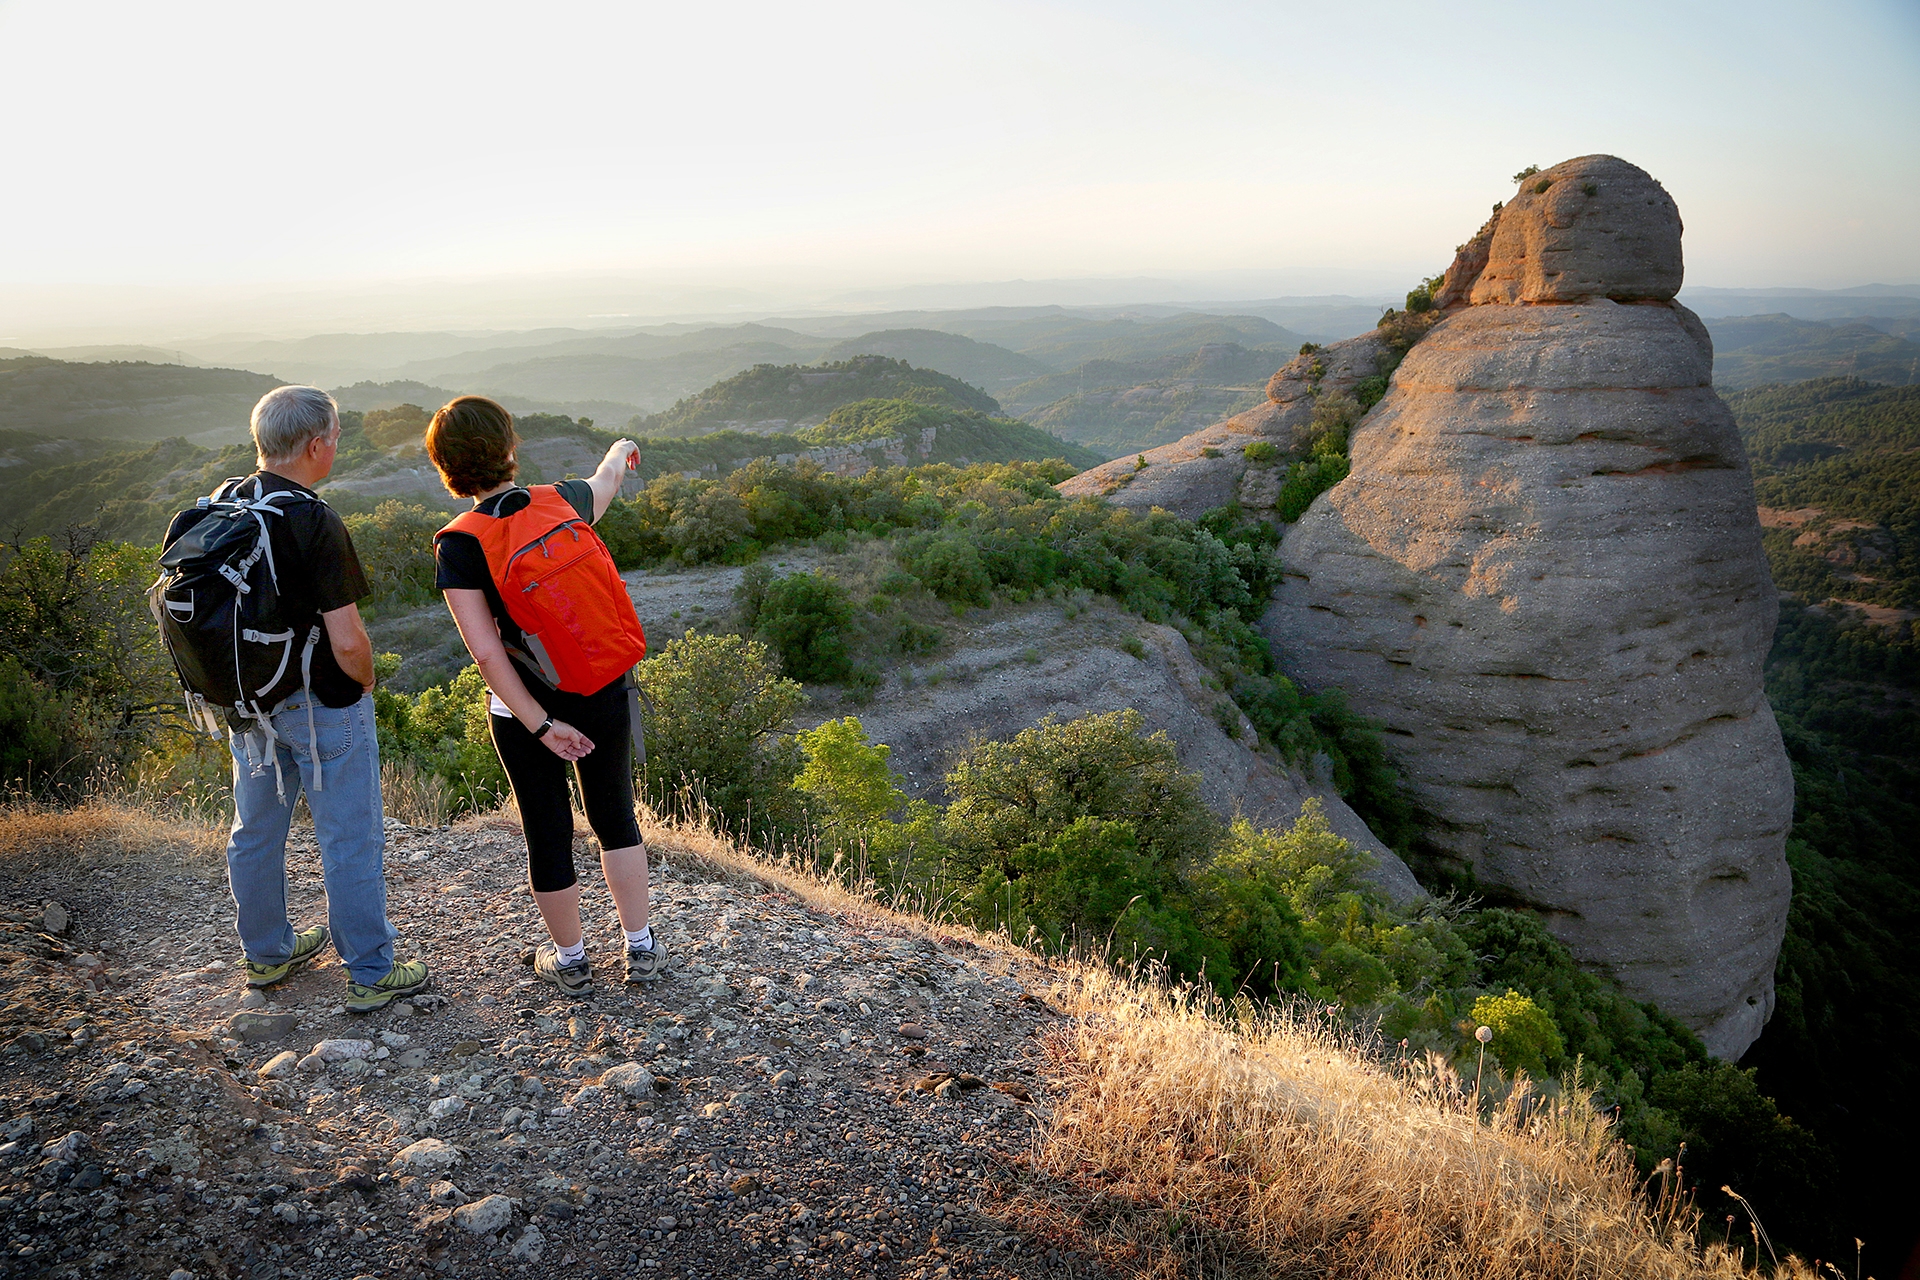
952 569
395 546
74 620
1034 785
42 735
1524 1037
717 733
443 731
1262 453
804 617
1333 417
849 789
1736 1136
1306 481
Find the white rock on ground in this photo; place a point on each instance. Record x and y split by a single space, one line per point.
486 1216
429 1155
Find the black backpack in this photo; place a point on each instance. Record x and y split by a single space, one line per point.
220 611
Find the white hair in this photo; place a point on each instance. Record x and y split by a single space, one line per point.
288 417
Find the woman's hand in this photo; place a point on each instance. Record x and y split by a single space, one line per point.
622 457
623 454
566 741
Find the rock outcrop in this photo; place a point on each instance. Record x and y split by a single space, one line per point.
1042 660
1544 576
1210 468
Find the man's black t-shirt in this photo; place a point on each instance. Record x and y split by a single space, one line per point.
460 564
318 572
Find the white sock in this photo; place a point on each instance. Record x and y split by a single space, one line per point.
573 954
642 939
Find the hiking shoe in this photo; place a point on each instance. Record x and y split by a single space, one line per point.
575 979
644 964
306 945
405 978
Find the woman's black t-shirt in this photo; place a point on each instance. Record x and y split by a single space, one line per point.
461 565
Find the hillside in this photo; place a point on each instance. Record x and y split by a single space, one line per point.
127 400
1749 351
364 397
1837 475
982 364
820 1083
1126 406
773 397
128 491
1067 340
1840 510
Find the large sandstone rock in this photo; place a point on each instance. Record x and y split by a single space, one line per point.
1544 575
1596 227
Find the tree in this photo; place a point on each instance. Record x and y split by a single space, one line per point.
1027 789
804 617
846 776
717 732
400 425
1524 1037
74 620
395 546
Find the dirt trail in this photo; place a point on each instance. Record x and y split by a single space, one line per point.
814 1087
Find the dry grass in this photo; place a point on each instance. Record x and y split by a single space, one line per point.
702 846
1187 1139
105 832
1270 1144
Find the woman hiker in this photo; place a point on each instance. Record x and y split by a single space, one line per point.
539 729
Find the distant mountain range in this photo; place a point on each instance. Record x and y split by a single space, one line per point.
1117 379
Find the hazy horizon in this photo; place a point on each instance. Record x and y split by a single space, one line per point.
491 167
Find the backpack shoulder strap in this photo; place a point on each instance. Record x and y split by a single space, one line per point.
471 523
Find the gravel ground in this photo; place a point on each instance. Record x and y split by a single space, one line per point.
806 1091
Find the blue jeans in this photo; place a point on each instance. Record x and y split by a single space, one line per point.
347 821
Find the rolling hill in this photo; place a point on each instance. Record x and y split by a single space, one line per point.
1130 405
127 400
1749 351
986 366
775 397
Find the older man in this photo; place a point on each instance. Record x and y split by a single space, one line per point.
320 737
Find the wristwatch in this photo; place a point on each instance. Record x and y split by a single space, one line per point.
545 725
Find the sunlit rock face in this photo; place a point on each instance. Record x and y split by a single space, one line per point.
1544 576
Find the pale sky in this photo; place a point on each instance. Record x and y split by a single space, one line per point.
159 147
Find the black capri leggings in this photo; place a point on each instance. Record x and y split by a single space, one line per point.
539 780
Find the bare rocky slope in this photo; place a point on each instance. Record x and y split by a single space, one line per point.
815 1085
1019 664
1544 576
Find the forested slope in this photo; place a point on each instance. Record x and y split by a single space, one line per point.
1836 477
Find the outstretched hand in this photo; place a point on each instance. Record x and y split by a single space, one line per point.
566 741
624 453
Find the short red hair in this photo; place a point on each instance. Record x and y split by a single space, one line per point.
471 442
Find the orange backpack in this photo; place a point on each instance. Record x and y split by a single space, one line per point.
561 588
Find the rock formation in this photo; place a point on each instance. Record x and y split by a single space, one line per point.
1043 660
1209 468
1544 576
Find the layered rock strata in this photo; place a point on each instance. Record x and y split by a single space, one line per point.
1544 576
